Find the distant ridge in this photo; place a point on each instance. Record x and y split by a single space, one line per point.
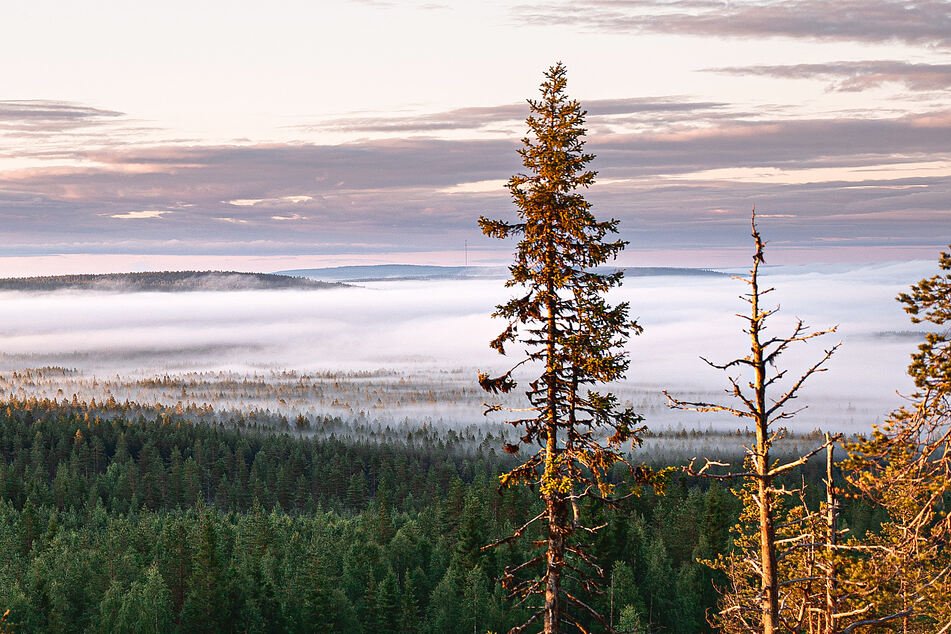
379 272
656 271
163 281
394 272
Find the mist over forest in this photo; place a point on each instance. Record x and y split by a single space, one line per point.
408 350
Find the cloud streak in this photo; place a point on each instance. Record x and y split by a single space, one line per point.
42 115
136 215
856 76
924 22
672 108
800 143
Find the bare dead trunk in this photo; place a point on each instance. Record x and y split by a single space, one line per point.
761 411
770 580
831 534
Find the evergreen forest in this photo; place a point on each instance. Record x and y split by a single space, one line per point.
134 525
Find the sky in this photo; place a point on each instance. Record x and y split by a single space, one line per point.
252 136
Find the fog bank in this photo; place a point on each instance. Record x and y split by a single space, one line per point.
433 335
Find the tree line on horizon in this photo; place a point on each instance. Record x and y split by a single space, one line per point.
163 281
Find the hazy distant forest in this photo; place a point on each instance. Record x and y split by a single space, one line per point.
126 516
165 281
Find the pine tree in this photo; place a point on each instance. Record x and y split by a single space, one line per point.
409 606
570 334
904 467
204 606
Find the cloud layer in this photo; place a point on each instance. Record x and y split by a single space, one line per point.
852 76
680 169
687 182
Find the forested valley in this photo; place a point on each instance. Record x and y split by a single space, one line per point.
128 525
126 516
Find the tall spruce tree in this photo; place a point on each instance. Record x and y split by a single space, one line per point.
571 435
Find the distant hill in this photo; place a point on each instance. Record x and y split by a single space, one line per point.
656 271
381 272
377 272
165 281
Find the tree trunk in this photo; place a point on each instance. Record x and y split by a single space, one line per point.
770 582
554 502
767 533
831 534
555 561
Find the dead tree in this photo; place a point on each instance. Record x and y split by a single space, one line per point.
762 609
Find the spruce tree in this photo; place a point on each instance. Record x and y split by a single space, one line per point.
571 435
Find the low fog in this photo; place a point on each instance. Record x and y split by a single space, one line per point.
405 351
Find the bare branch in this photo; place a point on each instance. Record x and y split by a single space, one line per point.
688 468
879 621
802 379
804 458
518 533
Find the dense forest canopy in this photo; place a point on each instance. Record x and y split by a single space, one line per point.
126 524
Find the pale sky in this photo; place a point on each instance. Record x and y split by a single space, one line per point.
261 136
